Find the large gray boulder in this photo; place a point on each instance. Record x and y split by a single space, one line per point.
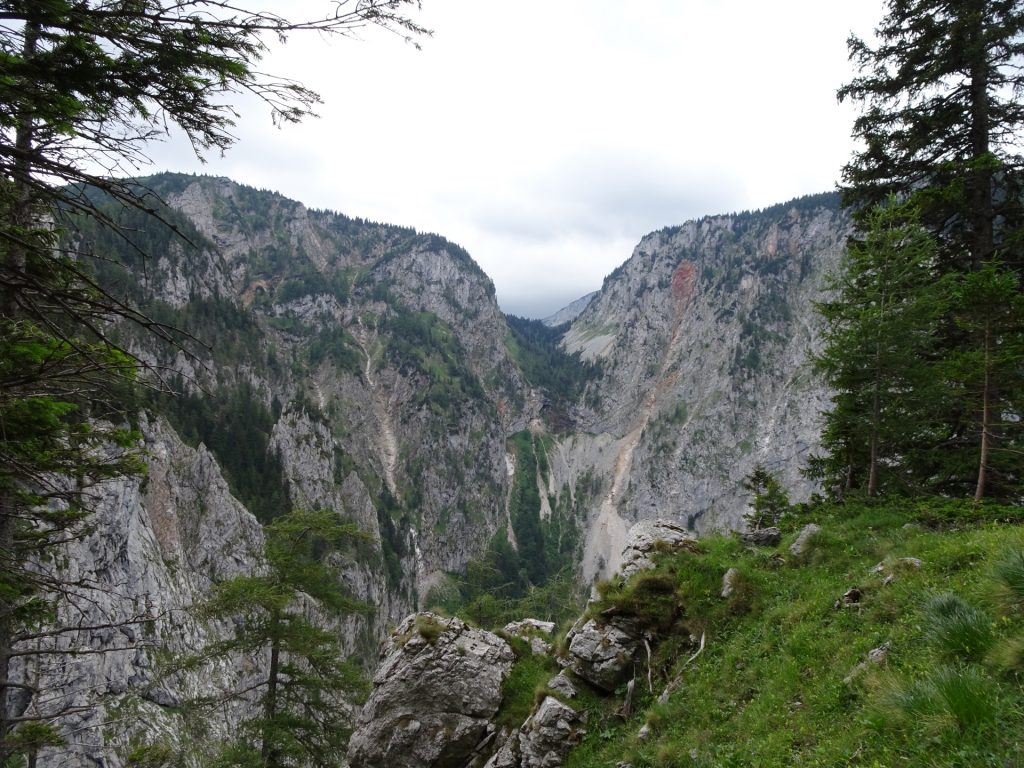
544 740
434 694
602 653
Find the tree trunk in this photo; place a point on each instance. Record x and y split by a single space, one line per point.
21 216
986 417
268 753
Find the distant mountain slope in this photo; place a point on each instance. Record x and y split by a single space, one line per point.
569 312
704 337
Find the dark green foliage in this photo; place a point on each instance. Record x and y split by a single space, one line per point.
393 536
235 426
336 345
535 348
939 111
421 344
524 510
940 92
770 502
302 720
879 356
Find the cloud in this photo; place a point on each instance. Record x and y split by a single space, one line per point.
548 138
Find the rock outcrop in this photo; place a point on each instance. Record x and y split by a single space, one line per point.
544 740
436 689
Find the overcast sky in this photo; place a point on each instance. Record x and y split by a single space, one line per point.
548 136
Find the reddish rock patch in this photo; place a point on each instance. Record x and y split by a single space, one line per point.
684 279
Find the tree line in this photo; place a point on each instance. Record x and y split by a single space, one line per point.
924 340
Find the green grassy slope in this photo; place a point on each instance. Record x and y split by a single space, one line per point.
771 686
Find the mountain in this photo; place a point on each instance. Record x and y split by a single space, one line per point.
332 362
703 336
569 312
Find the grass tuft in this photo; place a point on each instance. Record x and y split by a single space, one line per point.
1008 573
957 629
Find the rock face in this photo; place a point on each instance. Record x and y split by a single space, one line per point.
435 692
544 740
647 536
703 336
156 547
603 654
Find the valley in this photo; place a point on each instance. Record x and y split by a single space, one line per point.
367 369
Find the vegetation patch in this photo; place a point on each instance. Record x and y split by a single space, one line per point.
919 666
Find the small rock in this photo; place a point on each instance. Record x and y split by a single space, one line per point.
729 582
851 596
644 733
526 627
561 683
803 541
909 562
762 537
881 653
875 657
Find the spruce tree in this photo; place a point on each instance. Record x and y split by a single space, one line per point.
288 615
879 352
940 125
940 119
85 86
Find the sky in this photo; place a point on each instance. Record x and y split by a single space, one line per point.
548 136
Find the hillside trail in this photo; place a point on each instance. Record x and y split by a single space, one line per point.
602 553
387 444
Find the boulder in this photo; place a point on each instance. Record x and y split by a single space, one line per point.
648 535
533 631
434 694
544 740
803 541
762 537
603 653
561 684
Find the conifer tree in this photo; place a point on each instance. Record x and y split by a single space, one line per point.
770 501
940 118
940 125
878 356
85 86
285 614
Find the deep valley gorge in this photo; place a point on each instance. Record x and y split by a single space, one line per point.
334 363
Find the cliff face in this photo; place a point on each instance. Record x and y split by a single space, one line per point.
376 355
155 546
704 335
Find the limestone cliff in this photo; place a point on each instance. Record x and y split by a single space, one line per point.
704 335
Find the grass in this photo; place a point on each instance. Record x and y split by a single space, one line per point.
768 689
